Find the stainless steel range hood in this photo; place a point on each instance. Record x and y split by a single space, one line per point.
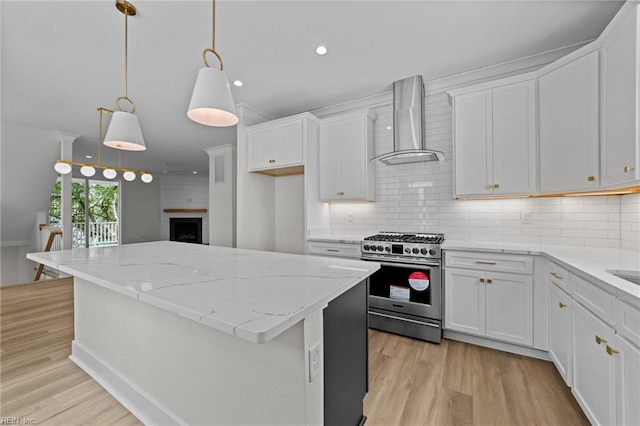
408 124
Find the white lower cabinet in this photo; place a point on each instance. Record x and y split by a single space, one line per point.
627 373
561 332
594 369
490 304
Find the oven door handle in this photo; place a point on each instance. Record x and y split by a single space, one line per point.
410 265
405 319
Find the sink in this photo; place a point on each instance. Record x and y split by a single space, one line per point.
631 276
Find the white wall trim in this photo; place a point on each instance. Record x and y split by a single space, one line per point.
134 399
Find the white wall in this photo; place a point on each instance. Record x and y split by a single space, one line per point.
183 192
27 156
140 211
419 197
289 214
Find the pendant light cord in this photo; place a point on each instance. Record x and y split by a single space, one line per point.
126 53
213 25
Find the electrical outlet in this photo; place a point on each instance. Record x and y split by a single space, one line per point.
315 361
525 218
350 216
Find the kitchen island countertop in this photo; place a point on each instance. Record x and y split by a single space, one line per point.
253 295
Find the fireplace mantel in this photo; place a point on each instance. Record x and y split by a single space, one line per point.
185 210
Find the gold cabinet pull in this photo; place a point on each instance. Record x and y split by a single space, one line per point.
496 186
479 262
600 340
628 169
489 281
555 275
591 178
272 161
481 280
562 305
339 193
334 250
611 351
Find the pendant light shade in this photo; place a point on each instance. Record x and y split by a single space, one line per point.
87 171
124 132
62 168
109 173
211 102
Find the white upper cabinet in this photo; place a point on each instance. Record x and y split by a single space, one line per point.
621 100
569 126
346 145
495 137
278 145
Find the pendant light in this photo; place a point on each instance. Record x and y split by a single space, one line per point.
124 129
211 102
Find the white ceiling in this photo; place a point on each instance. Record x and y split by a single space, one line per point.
63 59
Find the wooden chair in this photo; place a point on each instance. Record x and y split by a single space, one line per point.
40 271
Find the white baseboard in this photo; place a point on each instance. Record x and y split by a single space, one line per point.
494 344
141 405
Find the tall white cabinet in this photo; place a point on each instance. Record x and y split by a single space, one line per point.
569 105
621 99
495 137
346 146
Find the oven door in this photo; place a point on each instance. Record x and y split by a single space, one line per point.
408 288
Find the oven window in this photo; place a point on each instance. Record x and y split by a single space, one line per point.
399 283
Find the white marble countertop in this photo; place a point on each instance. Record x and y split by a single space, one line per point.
594 262
253 295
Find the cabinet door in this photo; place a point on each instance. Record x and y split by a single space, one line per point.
330 162
620 133
593 368
569 127
464 297
560 331
353 158
259 149
509 305
627 362
514 138
287 144
472 135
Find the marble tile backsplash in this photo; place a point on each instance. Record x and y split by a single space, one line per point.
419 198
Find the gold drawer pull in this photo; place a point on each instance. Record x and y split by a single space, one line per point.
339 193
611 351
489 281
562 305
481 280
496 186
591 178
479 262
555 275
628 169
334 250
600 340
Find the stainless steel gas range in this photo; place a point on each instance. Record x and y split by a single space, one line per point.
405 295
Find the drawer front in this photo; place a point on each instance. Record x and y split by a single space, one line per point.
560 277
333 249
489 262
628 321
594 299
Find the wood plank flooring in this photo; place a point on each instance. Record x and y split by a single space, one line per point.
411 382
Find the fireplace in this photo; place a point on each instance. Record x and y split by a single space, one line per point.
185 229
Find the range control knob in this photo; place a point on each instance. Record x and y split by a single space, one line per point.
423 251
415 250
387 248
407 250
366 247
432 252
380 248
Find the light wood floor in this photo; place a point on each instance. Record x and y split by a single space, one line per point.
411 382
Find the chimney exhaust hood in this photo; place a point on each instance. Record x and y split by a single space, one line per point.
408 124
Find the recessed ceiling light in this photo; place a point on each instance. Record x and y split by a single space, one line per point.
88 156
195 173
238 83
389 127
321 50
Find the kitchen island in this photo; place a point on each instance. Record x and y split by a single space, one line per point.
193 334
